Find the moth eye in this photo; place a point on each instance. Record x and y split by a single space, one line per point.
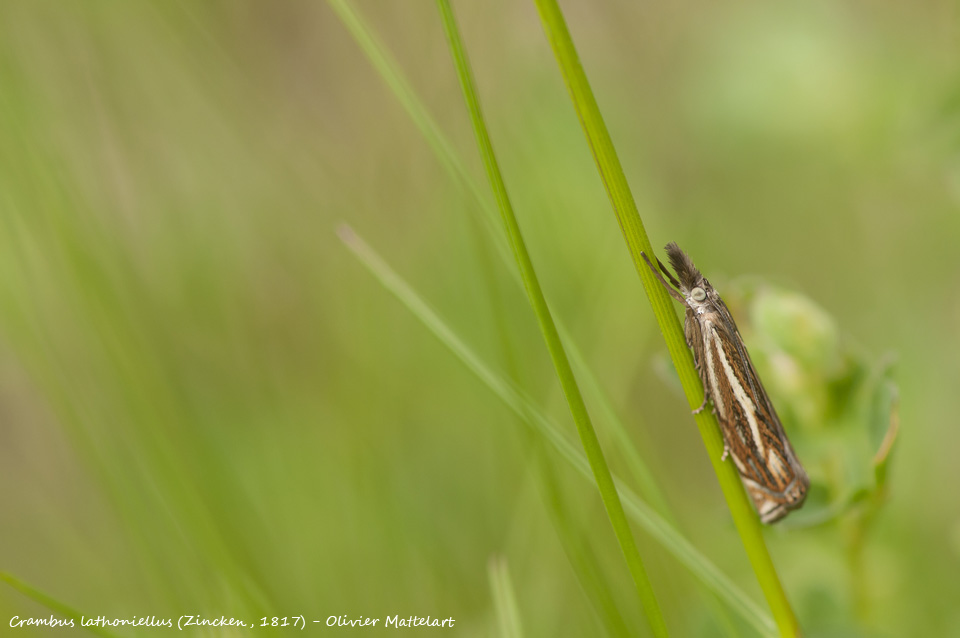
698 294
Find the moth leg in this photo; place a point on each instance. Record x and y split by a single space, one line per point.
691 332
702 405
726 444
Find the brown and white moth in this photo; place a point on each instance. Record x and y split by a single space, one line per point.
752 433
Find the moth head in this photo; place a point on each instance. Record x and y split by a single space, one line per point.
700 297
694 287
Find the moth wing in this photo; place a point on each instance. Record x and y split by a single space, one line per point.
758 392
755 437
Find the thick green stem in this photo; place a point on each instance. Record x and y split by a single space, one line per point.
615 182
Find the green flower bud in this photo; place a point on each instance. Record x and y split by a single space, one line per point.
798 327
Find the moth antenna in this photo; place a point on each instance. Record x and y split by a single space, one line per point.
673 293
673 280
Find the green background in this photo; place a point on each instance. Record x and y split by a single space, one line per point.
207 405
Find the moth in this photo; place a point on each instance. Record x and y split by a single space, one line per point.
752 434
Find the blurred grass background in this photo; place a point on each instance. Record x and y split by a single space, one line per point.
207 405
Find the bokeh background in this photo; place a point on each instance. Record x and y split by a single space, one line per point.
208 405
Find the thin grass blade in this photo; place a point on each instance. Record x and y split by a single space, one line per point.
52 604
641 513
488 217
578 408
504 598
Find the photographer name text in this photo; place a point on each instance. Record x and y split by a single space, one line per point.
185 622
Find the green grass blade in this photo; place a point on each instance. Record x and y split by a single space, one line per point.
631 226
576 544
583 562
488 216
674 542
438 142
504 598
614 425
578 408
566 521
52 603
392 76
